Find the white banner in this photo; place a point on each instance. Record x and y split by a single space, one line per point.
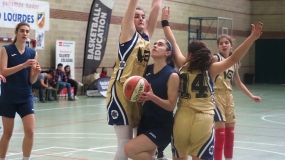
65 52
35 13
40 39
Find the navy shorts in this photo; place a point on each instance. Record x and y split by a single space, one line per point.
10 109
159 134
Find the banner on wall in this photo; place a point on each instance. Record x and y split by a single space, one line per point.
102 85
65 51
40 39
96 34
35 13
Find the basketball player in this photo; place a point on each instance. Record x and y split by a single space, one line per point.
225 113
155 127
133 57
193 120
19 66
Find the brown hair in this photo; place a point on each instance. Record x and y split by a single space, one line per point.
140 8
17 28
225 36
228 38
201 57
196 46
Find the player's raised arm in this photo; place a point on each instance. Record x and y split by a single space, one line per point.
153 17
178 57
128 27
219 67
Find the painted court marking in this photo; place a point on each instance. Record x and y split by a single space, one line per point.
40 110
260 150
264 118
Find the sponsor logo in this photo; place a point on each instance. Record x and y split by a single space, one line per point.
41 19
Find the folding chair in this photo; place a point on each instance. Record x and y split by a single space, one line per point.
53 90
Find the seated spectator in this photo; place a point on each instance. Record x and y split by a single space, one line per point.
59 75
41 83
95 76
103 72
72 82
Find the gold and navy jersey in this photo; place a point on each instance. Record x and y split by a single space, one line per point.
223 82
133 57
196 90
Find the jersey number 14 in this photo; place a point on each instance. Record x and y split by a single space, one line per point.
197 85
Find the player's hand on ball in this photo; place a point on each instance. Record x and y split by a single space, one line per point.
146 96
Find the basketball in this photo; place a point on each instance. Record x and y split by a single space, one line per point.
134 86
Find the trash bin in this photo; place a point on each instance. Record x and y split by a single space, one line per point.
248 78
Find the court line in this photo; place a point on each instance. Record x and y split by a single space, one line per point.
104 152
32 151
261 135
268 144
69 137
40 110
64 124
102 147
268 110
261 127
263 118
69 148
273 99
74 133
52 155
249 115
261 150
94 114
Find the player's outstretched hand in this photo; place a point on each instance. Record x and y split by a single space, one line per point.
165 14
256 31
256 99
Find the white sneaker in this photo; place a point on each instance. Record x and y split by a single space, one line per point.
75 97
80 84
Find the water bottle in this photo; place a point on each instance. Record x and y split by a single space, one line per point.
35 98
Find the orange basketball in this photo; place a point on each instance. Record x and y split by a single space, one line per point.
134 86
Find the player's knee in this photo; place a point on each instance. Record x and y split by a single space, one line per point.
128 149
7 134
29 133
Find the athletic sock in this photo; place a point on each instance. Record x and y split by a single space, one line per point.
219 143
229 143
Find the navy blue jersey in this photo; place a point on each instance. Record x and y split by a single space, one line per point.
18 88
158 81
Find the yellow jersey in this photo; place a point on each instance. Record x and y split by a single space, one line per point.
223 82
196 90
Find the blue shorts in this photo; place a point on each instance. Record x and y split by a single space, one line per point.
10 109
158 133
